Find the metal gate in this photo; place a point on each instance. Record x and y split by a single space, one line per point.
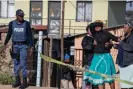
78 62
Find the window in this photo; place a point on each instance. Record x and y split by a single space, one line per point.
130 3
7 9
36 12
54 9
11 8
84 11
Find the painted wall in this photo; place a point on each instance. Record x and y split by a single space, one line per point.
45 12
99 12
71 26
70 19
19 4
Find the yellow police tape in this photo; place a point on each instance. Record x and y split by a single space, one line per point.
83 69
48 59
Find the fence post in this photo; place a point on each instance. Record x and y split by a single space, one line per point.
49 64
45 64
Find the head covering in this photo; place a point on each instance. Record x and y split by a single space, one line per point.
20 12
66 57
99 24
129 23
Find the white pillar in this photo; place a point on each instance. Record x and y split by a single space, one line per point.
39 61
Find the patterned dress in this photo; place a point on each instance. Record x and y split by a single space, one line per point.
102 63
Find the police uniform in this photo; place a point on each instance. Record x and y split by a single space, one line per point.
21 38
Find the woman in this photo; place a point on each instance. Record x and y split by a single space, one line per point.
102 60
87 45
125 56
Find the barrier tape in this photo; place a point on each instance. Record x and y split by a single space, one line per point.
48 59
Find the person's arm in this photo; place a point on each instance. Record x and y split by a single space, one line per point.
109 44
113 37
83 42
116 46
87 44
127 46
29 35
9 33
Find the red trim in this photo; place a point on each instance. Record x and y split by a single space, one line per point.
40 27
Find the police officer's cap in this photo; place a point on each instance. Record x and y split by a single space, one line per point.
20 12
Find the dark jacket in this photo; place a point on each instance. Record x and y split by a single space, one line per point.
127 46
101 38
87 45
119 59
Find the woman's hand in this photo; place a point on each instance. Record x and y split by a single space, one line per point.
107 44
94 43
116 46
122 38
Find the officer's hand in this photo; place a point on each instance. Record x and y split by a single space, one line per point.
30 51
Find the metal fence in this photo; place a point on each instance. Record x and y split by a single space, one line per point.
71 26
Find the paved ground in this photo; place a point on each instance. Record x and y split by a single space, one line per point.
31 87
9 87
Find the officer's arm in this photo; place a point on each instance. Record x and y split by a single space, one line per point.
30 36
9 33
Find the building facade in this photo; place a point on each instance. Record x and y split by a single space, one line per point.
129 6
129 10
78 13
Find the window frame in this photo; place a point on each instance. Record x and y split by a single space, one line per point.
50 19
35 18
10 2
84 20
7 15
130 4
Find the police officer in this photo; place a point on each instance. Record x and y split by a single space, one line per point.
20 31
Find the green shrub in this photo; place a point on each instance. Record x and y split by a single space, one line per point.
6 78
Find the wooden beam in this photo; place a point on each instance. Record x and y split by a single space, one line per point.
50 64
39 27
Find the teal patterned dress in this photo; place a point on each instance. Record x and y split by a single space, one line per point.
104 64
